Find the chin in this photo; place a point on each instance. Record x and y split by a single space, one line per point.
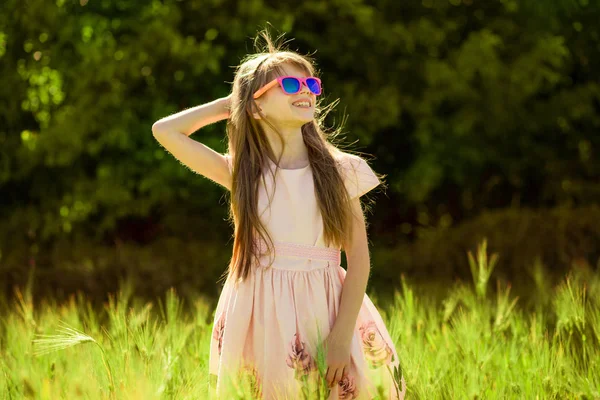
307 117
304 121
298 118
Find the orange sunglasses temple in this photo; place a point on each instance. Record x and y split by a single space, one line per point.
263 89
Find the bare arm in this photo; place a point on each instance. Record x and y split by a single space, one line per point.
355 283
173 133
190 120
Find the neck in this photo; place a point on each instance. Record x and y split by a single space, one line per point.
295 154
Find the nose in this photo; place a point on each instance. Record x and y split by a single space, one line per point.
304 89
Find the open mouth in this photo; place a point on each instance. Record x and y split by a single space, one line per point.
302 104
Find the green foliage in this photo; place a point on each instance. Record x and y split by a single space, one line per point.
470 103
522 240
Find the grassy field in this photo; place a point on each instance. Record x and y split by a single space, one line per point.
472 345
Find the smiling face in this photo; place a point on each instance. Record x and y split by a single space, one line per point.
286 110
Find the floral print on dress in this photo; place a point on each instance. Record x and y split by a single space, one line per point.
305 365
298 358
218 331
376 350
347 388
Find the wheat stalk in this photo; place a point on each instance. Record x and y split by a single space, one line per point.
68 337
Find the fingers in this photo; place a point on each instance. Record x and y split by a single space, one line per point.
333 376
338 376
330 376
345 373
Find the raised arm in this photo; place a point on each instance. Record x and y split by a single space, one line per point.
173 133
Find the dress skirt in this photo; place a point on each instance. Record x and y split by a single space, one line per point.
267 330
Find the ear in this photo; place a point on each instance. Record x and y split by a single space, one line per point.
255 113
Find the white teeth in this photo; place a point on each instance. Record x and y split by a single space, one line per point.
301 104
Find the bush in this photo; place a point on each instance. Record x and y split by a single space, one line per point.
558 238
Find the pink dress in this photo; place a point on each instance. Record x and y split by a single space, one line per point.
269 327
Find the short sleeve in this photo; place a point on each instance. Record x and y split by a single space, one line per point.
359 178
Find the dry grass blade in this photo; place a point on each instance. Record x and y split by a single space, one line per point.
66 337
69 337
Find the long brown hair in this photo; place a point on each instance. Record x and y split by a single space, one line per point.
249 147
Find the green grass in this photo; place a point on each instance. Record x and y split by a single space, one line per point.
472 345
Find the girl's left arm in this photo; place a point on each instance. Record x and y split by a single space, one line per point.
357 277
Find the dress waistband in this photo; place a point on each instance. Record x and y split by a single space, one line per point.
304 250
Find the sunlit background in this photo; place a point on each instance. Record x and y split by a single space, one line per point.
483 114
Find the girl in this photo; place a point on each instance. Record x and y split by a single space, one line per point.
294 205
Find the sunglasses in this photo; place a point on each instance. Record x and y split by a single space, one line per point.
292 85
